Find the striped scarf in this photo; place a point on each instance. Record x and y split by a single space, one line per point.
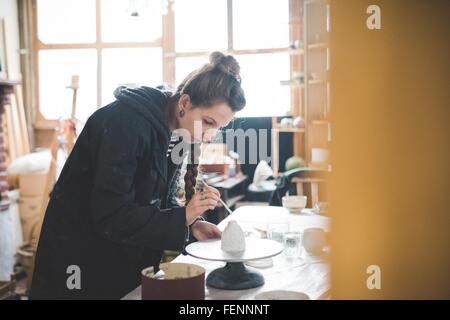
174 140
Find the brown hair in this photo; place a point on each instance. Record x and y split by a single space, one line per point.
215 82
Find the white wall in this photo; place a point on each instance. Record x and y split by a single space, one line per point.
8 11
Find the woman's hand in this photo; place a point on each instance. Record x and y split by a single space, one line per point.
202 230
200 202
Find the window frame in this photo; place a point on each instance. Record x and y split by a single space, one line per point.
167 43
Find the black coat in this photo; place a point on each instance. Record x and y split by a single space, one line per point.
111 211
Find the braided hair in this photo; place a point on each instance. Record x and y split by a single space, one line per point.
192 168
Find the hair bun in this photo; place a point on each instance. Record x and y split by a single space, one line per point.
226 63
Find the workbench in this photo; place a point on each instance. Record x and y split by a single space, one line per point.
297 274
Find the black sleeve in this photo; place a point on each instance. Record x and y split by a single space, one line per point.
116 215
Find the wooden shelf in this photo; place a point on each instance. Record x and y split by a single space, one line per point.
320 122
308 2
292 83
319 45
316 81
292 130
295 52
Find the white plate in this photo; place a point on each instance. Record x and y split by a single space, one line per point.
282 295
314 258
255 249
263 263
308 212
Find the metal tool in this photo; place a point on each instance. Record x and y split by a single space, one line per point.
221 201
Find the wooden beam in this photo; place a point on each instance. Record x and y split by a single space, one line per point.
230 24
34 59
232 52
100 45
296 65
26 66
168 44
5 49
98 39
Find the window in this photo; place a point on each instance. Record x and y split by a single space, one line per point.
66 21
185 65
131 21
260 24
261 75
150 42
120 44
132 67
258 38
56 69
200 25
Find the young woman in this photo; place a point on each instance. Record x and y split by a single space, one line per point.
112 211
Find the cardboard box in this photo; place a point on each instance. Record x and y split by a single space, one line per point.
213 158
220 168
30 214
32 185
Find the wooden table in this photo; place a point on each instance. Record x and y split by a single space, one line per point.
310 276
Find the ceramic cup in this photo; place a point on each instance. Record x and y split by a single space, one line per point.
314 240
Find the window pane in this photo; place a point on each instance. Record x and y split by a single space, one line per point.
56 68
260 24
132 67
66 21
200 25
131 21
265 96
184 66
276 99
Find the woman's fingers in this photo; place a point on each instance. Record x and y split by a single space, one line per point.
208 195
212 196
205 200
213 190
217 234
208 203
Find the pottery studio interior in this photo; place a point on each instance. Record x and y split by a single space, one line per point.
224 150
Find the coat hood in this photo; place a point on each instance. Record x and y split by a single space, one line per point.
149 102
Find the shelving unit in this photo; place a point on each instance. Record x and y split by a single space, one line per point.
316 90
311 93
296 84
276 130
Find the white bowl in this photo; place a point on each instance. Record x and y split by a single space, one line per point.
294 204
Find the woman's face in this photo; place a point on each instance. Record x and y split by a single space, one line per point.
200 124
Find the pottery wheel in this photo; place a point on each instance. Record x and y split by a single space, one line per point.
234 276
